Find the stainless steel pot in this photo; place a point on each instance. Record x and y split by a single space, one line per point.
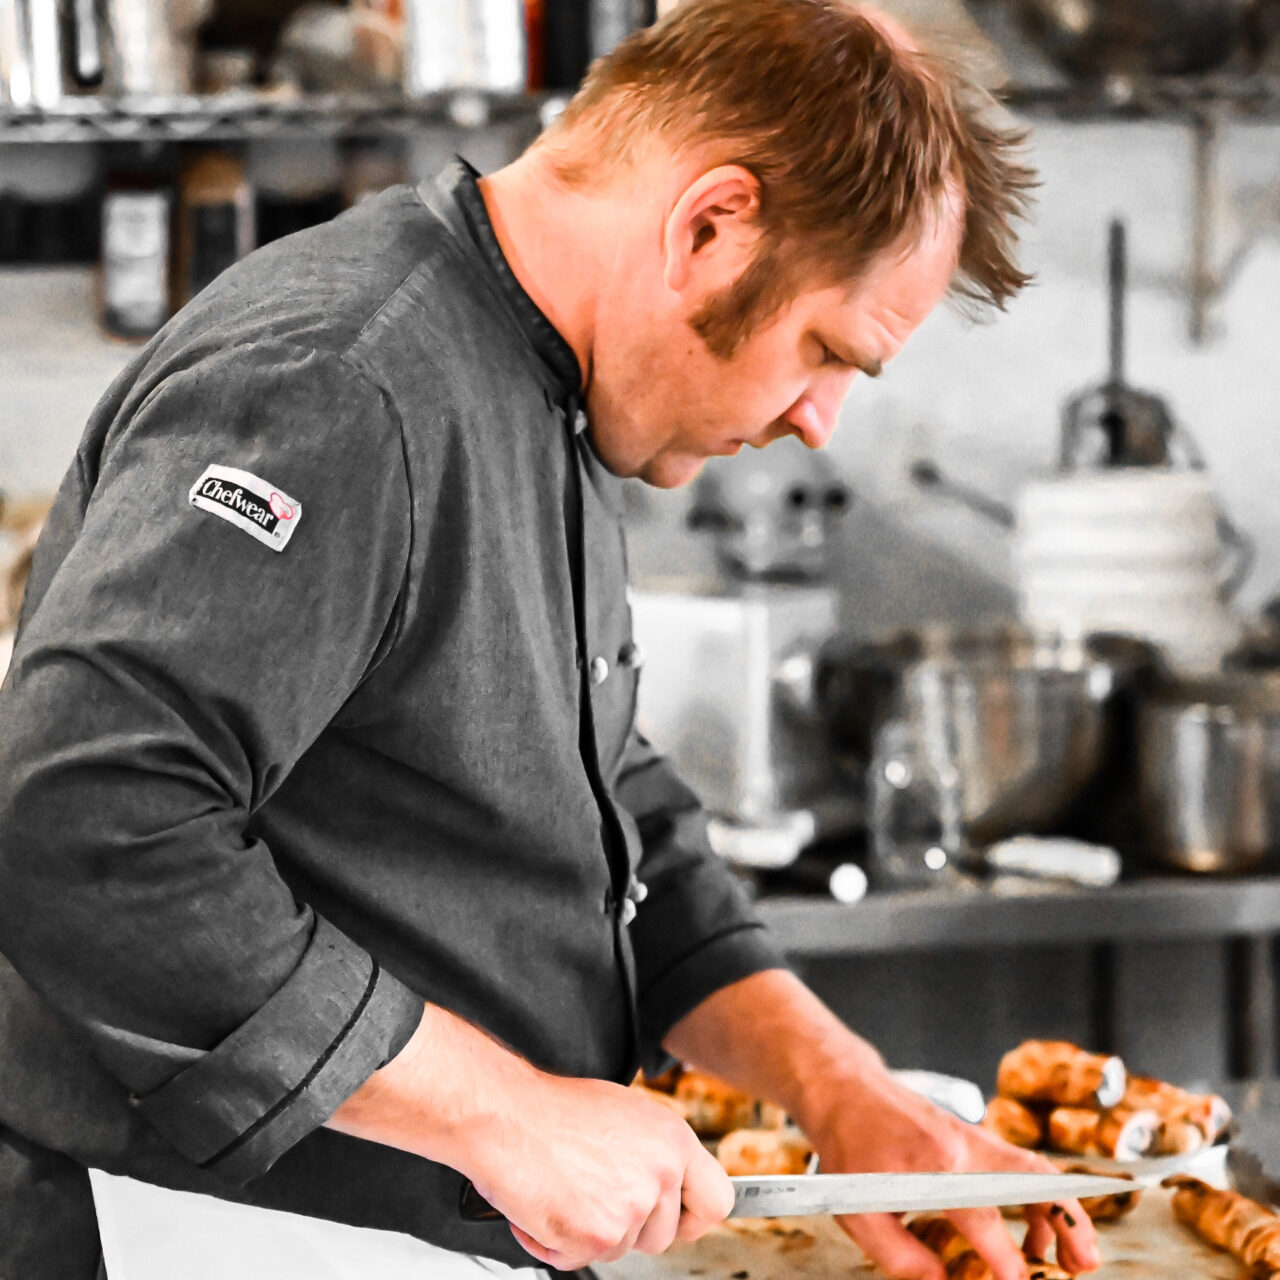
1136 37
1026 727
1209 772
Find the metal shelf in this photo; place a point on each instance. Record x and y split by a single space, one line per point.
241 115
1242 95
1160 908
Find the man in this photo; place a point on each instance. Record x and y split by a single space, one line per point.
332 870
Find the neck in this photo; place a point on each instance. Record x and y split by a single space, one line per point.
550 236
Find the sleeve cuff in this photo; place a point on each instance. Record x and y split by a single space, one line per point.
716 962
283 1072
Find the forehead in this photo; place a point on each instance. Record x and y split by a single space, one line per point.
900 286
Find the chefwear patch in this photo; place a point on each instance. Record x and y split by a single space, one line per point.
248 502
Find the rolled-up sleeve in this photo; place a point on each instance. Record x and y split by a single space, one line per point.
695 931
171 671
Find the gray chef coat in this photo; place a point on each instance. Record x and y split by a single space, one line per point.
259 801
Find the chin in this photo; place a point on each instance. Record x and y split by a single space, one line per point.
666 472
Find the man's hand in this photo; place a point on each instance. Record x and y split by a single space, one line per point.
874 1123
583 1170
591 1170
770 1035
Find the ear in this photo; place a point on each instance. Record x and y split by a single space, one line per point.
711 232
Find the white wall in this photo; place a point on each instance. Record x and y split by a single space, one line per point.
984 401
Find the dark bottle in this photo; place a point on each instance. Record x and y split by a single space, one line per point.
565 47
215 218
535 42
296 183
137 223
50 196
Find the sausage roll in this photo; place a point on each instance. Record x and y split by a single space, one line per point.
1188 1120
749 1152
1015 1123
1109 1208
1118 1134
1229 1221
1056 1072
961 1261
712 1107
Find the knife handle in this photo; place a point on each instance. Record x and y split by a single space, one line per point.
473 1207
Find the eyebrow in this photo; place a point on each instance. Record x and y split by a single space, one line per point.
872 368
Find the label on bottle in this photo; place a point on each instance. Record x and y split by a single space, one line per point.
135 259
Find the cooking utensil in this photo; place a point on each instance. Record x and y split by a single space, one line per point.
783 1196
153 45
1135 37
1209 771
1025 727
1115 424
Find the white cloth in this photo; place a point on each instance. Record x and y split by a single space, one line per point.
151 1233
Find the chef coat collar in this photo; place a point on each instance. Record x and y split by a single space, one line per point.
455 198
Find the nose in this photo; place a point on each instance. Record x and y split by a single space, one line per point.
813 416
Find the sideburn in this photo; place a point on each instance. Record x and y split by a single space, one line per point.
726 320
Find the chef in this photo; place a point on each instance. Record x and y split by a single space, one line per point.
333 871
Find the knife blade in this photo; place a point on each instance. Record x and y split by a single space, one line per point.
783 1196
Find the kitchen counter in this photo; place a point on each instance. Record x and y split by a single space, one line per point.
1156 908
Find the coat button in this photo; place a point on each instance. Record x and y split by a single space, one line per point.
637 891
628 911
631 656
579 423
599 670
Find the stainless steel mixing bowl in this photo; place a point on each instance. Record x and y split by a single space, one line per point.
1026 726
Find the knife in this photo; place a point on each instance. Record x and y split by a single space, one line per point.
784 1196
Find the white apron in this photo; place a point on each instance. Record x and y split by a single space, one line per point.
152 1233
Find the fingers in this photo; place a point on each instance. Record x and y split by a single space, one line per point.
893 1248
660 1230
1039 1238
1077 1241
550 1257
985 1231
707 1194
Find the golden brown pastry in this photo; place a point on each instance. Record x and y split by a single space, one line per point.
1118 1134
664 1083
713 1107
1228 1221
1112 1207
1188 1120
1056 1072
749 1152
961 1261
1015 1123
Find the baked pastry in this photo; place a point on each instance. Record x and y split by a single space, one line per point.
1015 1123
1118 1134
1228 1221
1109 1208
1188 1120
750 1152
1056 1072
713 1107
960 1259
